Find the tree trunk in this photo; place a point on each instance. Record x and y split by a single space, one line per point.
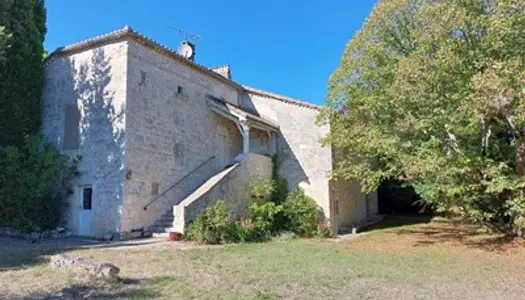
520 156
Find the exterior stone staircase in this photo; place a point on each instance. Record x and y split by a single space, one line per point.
231 184
165 224
162 226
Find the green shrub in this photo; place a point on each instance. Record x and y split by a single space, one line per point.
261 191
34 183
302 213
323 230
280 185
246 231
195 231
263 217
214 226
280 190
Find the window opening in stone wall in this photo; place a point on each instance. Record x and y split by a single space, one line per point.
87 198
155 188
181 94
71 130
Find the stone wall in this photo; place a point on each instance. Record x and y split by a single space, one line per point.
232 185
262 142
304 162
171 131
351 206
93 81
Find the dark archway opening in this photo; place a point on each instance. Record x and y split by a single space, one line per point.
394 198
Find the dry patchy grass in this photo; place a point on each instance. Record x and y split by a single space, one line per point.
422 261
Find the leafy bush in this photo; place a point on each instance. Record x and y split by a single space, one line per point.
263 217
261 191
280 185
302 213
245 231
214 226
34 182
323 230
280 190
275 191
195 231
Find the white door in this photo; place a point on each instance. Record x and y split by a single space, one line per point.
86 210
223 147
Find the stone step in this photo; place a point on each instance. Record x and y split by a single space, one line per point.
160 229
161 226
163 235
164 221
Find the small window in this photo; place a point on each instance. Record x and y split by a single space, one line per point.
155 188
181 94
87 198
71 128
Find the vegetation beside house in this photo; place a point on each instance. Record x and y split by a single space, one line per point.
272 212
34 176
431 93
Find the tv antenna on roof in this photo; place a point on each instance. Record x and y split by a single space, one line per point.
187 35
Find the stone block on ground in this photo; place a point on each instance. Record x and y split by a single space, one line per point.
79 264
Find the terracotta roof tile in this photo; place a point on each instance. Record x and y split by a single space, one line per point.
128 32
281 98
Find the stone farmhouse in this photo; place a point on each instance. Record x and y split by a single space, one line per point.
162 137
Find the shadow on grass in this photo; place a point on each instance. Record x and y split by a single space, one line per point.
428 231
393 222
125 289
18 253
463 234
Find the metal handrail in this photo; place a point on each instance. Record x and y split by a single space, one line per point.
176 183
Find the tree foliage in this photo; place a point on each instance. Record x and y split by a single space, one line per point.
4 43
21 74
33 183
432 92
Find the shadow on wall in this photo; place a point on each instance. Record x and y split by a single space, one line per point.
99 140
290 168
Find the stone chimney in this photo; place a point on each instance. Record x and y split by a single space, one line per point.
223 71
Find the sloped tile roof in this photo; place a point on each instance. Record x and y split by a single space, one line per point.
128 32
281 98
230 108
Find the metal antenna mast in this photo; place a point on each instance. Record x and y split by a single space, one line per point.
187 35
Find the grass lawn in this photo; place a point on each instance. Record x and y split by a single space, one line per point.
419 261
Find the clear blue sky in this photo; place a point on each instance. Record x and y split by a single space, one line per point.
289 47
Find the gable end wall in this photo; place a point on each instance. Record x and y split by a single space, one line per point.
93 80
304 161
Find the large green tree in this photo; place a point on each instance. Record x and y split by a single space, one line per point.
432 92
21 74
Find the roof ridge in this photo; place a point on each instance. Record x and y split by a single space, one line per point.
282 98
84 43
127 31
221 66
